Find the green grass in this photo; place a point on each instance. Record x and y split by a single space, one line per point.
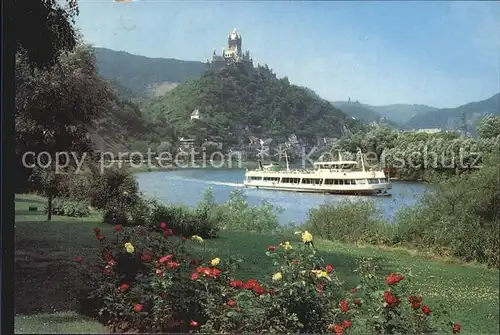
47 282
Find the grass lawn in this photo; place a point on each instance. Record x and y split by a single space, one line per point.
46 280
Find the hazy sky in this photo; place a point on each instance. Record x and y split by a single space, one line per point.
442 54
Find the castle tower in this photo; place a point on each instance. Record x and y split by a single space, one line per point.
234 43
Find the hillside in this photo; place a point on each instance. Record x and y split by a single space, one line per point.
142 74
362 112
451 118
235 105
401 113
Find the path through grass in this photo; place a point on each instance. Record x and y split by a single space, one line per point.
47 281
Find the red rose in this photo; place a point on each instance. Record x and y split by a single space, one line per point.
138 308
393 278
184 238
354 290
78 259
271 248
124 287
329 268
168 232
320 287
165 259
163 225
295 261
195 276
426 310
118 227
146 257
159 272
390 299
347 323
236 283
338 329
456 328
231 303
415 300
97 230
193 324
258 289
100 237
173 265
357 302
250 284
111 262
344 306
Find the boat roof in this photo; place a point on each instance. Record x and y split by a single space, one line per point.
336 163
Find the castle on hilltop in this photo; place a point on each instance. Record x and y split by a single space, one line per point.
233 55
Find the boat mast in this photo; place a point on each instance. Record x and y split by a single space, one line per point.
286 159
360 153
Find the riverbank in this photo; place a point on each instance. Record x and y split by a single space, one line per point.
46 271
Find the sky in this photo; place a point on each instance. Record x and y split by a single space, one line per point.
442 54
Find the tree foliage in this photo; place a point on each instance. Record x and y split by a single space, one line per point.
235 104
489 127
50 30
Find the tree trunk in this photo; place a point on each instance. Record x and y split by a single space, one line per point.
49 205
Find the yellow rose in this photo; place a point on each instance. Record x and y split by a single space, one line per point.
277 276
307 237
320 273
197 238
129 247
286 245
215 261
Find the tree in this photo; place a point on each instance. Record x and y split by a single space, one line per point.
50 30
489 127
56 108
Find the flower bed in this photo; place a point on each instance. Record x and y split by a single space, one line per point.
152 282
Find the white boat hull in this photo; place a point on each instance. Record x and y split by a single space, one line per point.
375 189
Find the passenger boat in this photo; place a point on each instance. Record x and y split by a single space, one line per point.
334 177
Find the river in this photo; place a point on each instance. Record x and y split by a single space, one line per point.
187 186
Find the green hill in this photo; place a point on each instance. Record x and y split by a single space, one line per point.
235 104
362 112
143 74
401 113
451 118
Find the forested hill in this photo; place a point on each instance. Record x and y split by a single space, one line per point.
236 104
140 73
452 117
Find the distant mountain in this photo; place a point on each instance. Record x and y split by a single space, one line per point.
359 111
143 74
402 113
452 118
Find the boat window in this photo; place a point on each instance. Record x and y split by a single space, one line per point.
341 182
361 181
372 181
328 181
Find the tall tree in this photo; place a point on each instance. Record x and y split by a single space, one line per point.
57 108
44 28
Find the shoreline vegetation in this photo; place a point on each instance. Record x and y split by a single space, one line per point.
436 277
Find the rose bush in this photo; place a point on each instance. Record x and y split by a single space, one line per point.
153 282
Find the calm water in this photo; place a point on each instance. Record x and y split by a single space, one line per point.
187 187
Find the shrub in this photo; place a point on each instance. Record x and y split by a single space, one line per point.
116 193
460 218
202 221
237 214
348 222
66 207
146 282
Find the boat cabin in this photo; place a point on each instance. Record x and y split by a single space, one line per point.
336 166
